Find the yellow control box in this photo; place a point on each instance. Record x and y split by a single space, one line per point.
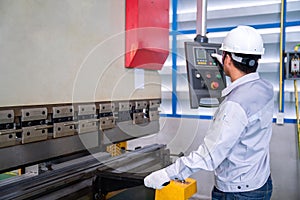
177 190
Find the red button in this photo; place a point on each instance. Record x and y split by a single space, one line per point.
214 85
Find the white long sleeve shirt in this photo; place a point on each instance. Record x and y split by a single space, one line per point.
236 146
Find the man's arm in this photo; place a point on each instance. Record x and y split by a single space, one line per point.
227 126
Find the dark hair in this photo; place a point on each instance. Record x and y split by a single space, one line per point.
248 64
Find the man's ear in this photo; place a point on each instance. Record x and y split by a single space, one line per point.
227 58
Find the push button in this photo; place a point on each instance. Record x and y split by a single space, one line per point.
214 85
218 76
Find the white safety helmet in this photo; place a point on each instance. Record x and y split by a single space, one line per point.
244 40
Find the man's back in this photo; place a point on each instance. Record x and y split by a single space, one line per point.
247 165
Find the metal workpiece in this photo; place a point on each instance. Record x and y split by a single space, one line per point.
143 161
14 157
45 184
88 176
130 170
126 130
131 162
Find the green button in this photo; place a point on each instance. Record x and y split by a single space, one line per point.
218 76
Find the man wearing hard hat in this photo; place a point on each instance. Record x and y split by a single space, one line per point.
236 146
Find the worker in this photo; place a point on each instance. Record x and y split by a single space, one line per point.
236 146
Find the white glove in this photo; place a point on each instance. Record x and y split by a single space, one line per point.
218 57
157 179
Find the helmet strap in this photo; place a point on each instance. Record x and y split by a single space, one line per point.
249 62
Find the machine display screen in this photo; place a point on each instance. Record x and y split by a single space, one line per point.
202 56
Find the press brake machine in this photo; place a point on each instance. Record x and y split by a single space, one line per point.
77 79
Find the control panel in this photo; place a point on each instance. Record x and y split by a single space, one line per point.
292 68
206 78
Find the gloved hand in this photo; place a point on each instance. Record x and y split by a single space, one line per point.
218 57
157 179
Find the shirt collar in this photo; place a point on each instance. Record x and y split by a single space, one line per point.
244 79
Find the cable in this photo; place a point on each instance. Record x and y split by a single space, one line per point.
297 115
